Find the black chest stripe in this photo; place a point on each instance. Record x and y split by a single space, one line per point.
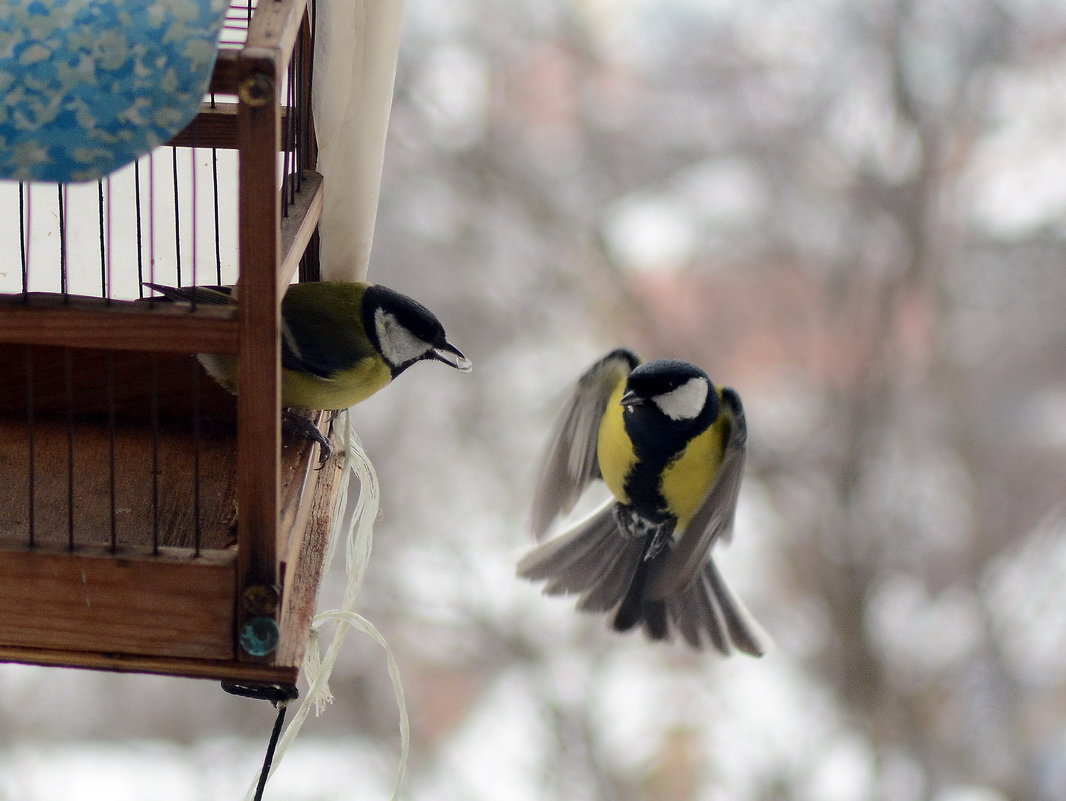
644 483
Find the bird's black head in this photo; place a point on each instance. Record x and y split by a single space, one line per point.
404 331
669 395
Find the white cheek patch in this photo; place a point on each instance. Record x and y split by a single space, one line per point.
685 402
398 345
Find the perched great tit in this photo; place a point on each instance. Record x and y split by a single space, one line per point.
341 342
670 447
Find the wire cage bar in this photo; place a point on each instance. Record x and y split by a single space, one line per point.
149 520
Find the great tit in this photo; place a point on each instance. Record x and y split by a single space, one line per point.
341 341
670 447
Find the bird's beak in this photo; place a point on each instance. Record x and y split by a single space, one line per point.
453 357
631 398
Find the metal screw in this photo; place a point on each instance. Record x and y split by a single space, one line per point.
261 599
257 90
259 636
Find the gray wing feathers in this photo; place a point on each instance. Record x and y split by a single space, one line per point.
714 518
697 618
570 462
615 575
708 612
744 632
592 559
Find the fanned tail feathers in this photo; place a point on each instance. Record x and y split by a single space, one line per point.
607 569
707 612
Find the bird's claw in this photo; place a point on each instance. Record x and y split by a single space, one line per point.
634 526
295 423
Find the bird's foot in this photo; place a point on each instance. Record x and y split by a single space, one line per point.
295 423
635 526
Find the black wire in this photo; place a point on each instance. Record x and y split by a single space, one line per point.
308 132
22 242
279 696
296 69
30 436
275 693
214 178
286 141
177 219
193 217
292 100
103 254
154 412
196 453
268 759
111 445
137 218
68 373
62 247
151 227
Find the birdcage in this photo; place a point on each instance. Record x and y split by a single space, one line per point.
149 520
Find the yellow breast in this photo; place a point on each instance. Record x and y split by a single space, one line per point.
615 451
687 478
345 388
303 390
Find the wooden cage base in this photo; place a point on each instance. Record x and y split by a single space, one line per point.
118 538
80 638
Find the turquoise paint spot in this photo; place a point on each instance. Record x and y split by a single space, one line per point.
259 636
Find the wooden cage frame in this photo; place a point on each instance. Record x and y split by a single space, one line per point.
178 610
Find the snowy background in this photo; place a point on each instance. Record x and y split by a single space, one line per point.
854 213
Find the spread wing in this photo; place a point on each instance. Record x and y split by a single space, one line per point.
713 519
570 462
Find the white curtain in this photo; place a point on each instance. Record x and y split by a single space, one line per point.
355 71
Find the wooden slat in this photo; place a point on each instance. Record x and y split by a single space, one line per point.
122 325
170 605
224 77
176 488
259 400
299 225
176 381
303 575
273 30
298 476
305 74
212 127
216 669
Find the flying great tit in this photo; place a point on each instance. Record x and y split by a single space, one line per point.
341 342
670 448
